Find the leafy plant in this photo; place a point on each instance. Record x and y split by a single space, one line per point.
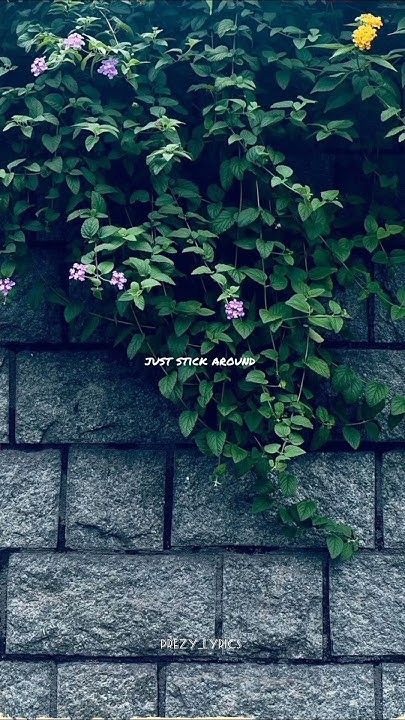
166 134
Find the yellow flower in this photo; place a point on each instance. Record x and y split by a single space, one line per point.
363 36
371 20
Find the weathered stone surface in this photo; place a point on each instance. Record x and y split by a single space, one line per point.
393 474
356 327
385 329
204 515
30 483
115 499
92 690
22 318
88 397
279 692
388 366
393 691
24 689
367 606
107 605
4 394
273 605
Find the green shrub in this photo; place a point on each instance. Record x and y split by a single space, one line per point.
166 134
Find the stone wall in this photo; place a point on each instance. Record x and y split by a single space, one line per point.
112 538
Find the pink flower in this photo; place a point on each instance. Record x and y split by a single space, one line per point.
78 272
74 41
109 68
5 286
234 309
39 66
119 279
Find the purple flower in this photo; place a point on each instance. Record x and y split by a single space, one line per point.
109 68
39 66
74 41
78 272
119 279
234 309
5 286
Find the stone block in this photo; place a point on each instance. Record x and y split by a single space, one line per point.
273 605
368 606
393 478
24 689
343 483
115 499
88 397
279 692
30 484
87 604
88 690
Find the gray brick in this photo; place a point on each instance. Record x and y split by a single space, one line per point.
115 499
279 692
368 606
92 690
107 605
88 397
29 496
24 319
273 605
393 691
385 329
388 366
4 394
356 327
343 484
24 689
393 473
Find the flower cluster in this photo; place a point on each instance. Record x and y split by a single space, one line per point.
119 279
5 286
372 20
234 309
366 33
109 68
39 66
78 272
74 41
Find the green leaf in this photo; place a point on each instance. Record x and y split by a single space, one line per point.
398 405
375 392
306 509
244 327
187 421
72 310
352 436
318 366
90 228
335 546
216 441
298 302
51 142
288 484
168 383
348 383
256 376
248 216
135 345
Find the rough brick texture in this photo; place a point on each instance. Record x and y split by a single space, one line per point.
343 484
273 605
87 397
115 499
90 605
25 689
125 690
113 538
279 692
29 507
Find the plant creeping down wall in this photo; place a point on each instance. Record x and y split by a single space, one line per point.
231 185
114 538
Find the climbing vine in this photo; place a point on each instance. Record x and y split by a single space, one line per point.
160 139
